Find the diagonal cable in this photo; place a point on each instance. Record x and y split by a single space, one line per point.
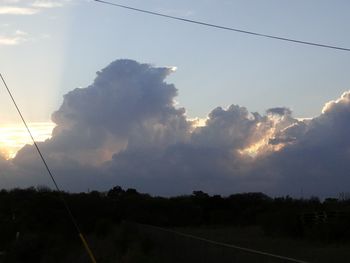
222 27
69 212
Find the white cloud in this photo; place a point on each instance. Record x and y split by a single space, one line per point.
29 7
339 103
9 1
20 33
15 10
176 12
47 4
14 39
9 41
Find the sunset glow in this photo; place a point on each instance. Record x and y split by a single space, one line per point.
262 145
14 136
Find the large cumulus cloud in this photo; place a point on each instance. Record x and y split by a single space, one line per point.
317 158
128 107
125 129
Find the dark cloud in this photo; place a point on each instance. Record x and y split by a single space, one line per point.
279 111
124 129
128 108
318 160
128 105
289 134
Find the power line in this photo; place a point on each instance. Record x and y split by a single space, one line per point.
69 212
221 244
222 27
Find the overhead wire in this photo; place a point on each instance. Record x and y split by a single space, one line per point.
222 27
69 212
226 245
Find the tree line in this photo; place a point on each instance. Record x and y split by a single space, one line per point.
34 219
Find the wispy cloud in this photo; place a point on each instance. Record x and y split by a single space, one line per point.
47 4
9 1
15 39
176 12
8 41
20 7
16 10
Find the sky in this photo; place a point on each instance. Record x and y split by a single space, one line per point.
266 102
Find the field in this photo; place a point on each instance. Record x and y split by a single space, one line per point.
34 227
253 237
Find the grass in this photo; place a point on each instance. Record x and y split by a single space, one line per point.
133 243
254 238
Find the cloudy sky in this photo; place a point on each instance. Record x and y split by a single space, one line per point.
238 114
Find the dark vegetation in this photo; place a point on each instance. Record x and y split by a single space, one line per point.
34 226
